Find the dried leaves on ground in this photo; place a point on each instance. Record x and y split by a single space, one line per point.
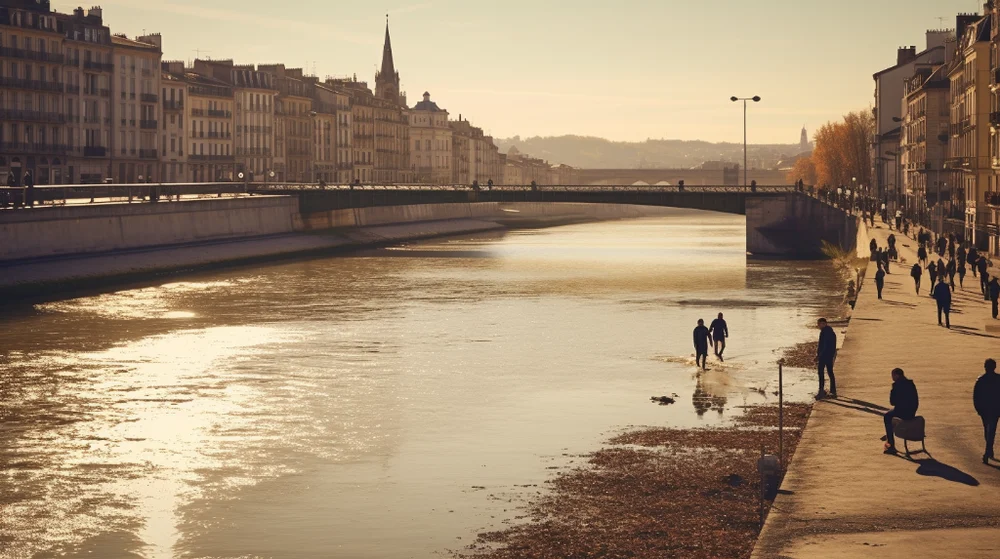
654 493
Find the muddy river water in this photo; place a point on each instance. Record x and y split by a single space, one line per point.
384 404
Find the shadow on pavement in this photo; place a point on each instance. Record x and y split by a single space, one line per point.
866 404
898 303
847 404
933 468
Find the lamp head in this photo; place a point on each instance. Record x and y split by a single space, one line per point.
756 98
734 99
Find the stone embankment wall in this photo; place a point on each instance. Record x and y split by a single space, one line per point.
795 226
48 250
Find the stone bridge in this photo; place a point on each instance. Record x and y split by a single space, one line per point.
691 177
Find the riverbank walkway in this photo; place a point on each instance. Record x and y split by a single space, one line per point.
842 497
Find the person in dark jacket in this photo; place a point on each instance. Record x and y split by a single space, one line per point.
922 255
719 331
872 247
916 272
995 295
880 280
904 401
885 260
952 270
961 274
982 264
891 239
701 341
942 294
986 399
973 259
826 354
933 273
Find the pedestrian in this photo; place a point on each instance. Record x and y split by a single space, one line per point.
7 196
973 258
942 245
960 254
922 255
984 276
891 239
899 219
961 274
933 273
904 401
885 260
701 341
942 294
880 280
951 246
826 354
29 189
994 295
872 247
916 272
952 269
719 331
986 400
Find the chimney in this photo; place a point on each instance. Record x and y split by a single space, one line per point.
96 11
962 22
427 96
905 55
153 39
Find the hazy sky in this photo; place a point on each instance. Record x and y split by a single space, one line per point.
624 70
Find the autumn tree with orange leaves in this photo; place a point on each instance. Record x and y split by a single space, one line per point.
843 152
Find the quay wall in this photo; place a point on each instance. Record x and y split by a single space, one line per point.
794 225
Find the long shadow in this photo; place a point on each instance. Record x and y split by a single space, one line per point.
865 404
933 468
846 405
974 334
867 319
898 303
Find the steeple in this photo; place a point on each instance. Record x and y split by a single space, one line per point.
387 79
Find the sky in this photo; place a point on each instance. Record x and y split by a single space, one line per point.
625 70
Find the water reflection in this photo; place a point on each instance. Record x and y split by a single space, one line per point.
348 406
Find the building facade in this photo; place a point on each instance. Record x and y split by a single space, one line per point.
430 143
136 96
925 139
173 93
968 148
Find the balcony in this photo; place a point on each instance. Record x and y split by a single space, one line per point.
216 158
147 153
219 135
210 91
147 124
149 98
92 119
21 83
72 62
14 148
32 55
220 113
73 89
173 106
31 116
98 66
104 92
95 151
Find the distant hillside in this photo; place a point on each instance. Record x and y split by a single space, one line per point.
597 153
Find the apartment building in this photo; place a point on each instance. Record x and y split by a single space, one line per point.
292 124
430 143
924 138
136 108
173 93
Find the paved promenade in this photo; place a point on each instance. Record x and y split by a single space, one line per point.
841 496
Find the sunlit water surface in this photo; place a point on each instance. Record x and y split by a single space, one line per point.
388 404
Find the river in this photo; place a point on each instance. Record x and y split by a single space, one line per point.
388 404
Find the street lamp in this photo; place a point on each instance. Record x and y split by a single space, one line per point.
755 99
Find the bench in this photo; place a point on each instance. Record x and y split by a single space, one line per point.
910 430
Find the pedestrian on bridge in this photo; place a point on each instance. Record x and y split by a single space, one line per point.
942 294
29 189
904 401
880 280
826 354
922 255
986 400
701 341
916 272
719 331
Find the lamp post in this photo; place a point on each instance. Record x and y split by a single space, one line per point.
755 99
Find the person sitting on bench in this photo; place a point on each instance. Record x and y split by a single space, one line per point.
904 401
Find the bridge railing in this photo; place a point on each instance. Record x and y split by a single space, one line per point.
61 194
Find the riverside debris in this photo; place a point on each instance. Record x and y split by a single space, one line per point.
683 493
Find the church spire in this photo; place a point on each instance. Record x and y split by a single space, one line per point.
388 68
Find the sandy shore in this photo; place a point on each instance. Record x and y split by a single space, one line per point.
656 492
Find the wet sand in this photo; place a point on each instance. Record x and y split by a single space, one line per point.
658 492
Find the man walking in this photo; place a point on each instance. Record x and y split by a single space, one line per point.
986 399
719 331
995 295
916 272
942 294
904 401
826 354
880 280
701 340
984 276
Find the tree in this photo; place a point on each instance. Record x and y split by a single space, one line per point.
805 170
843 150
